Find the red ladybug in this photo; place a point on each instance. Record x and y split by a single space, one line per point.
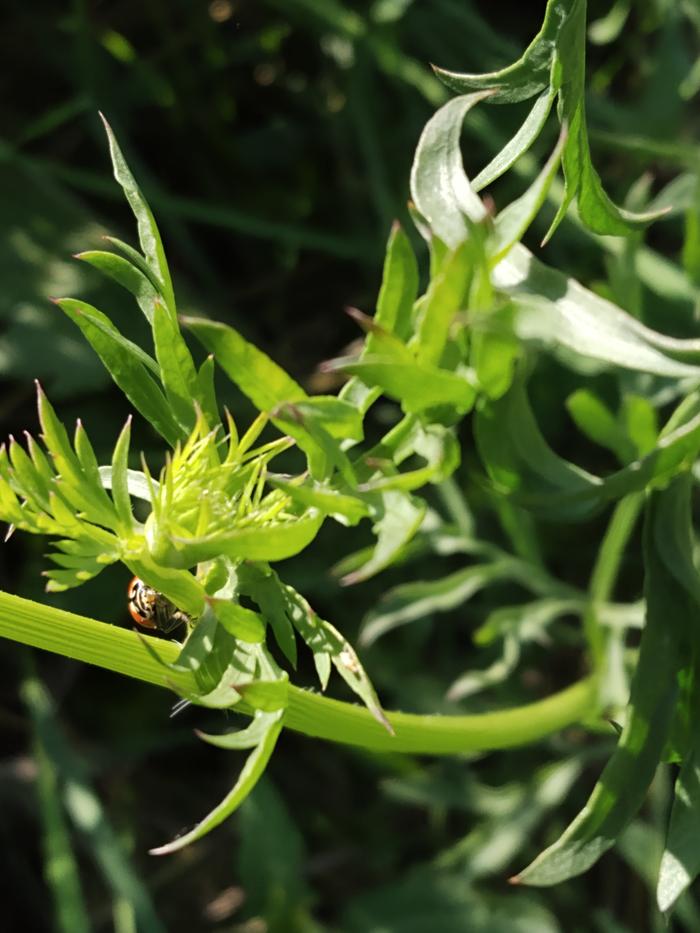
150 609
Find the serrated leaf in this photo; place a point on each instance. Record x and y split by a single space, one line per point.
261 585
33 485
325 640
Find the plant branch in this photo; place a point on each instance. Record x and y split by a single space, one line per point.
125 652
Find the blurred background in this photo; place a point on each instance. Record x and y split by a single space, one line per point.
273 140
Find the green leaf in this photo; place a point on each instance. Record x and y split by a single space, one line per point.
513 221
261 380
399 287
241 739
418 599
261 584
206 392
518 144
416 386
60 867
595 208
494 350
439 185
180 587
556 313
344 508
525 77
119 481
136 481
252 770
340 419
598 423
446 295
680 863
238 621
323 452
177 371
622 787
84 808
100 322
125 274
125 363
608 27
274 540
521 463
518 458
26 477
397 295
435 443
137 261
640 421
325 640
149 237
556 58
83 491
397 517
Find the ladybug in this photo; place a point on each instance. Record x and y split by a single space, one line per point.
150 609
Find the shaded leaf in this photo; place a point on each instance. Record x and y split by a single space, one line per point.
622 787
252 770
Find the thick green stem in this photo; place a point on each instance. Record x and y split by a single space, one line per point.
125 652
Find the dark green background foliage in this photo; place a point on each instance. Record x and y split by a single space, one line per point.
274 139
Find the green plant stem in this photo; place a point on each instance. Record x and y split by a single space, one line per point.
125 652
607 567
